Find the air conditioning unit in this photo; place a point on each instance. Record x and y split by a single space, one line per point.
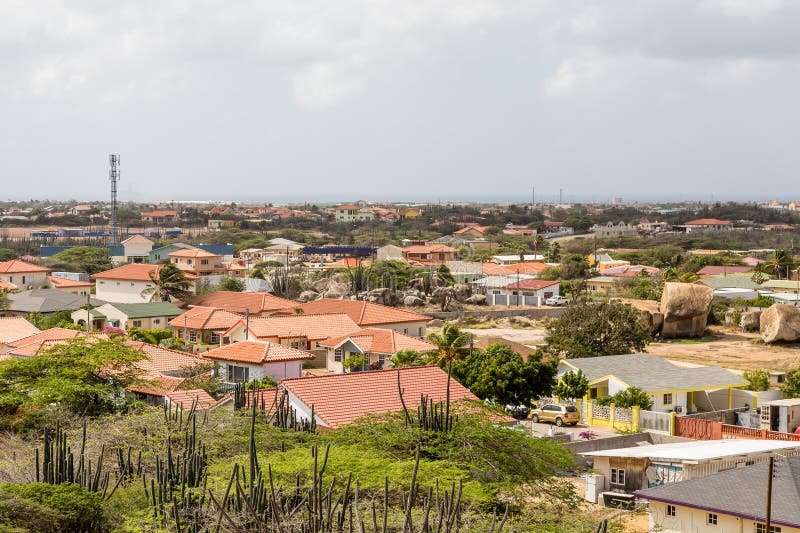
678 408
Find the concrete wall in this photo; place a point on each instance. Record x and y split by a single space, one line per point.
276 371
122 291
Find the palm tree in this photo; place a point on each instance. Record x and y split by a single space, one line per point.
539 243
452 344
169 283
780 263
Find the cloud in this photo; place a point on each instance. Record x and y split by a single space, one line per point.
751 9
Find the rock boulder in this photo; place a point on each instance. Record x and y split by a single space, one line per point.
750 321
476 299
780 322
413 301
685 307
308 296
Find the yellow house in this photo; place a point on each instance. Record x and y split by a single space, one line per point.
601 285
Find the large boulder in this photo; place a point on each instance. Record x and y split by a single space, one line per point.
780 322
648 313
308 296
461 291
384 296
337 290
750 320
476 299
685 307
413 301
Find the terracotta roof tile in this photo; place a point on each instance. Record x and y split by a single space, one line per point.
714 270
206 318
193 252
361 312
13 328
532 284
384 341
312 327
186 398
255 302
16 266
534 267
63 283
339 399
493 269
164 361
132 272
707 222
257 352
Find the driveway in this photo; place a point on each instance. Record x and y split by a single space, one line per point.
542 429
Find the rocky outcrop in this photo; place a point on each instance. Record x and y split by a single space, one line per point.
750 320
383 296
308 296
685 307
780 322
413 301
648 311
476 299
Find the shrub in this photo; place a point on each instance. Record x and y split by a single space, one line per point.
68 507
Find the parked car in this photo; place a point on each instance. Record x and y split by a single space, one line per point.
558 414
556 300
520 412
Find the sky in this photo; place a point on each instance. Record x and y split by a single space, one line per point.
418 100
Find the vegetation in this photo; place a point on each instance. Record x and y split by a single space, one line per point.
231 284
169 283
791 387
82 259
59 319
593 329
409 357
758 380
630 397
571 386
452 344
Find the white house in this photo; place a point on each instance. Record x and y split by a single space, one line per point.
150 315
24 275
248 360
127 283
375 344
136 248
522 292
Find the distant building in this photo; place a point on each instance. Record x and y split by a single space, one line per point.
160 217
611 230
706 224
352 213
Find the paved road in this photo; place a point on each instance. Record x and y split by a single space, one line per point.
541 429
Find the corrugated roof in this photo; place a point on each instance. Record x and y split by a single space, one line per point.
698 450
731 281
339 399
654 374
361 312
257 352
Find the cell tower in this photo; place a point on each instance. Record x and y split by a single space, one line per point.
113 176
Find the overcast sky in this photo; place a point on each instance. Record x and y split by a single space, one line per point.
408 100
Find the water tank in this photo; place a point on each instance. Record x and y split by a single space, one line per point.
595 485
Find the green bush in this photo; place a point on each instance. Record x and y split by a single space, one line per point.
44 507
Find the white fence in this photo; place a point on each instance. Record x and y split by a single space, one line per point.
654 421
511 299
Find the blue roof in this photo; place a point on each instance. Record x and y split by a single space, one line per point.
50 251
217 249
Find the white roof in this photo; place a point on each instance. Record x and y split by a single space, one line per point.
698 450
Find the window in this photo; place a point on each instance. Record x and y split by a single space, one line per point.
238 373
337 355
156 321
23 280
188 261
667 399
192 336
617 476
298 345
762 528
214 338
137 323
671 510
405 331
420 332
204 261
711 520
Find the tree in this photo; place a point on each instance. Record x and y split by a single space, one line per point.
632 397
791 386
452 344
409 357
593 329
169 283
444 274
758 380
150 336
780 263
354 361
571 386
86 376
231 284
574 266
4 303
499 374
82 259
555 252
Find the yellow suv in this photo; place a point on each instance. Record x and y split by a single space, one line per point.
559 414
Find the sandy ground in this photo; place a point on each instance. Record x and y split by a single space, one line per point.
528 337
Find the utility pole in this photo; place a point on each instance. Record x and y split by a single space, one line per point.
88 312
771 471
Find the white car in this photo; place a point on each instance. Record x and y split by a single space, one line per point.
556 300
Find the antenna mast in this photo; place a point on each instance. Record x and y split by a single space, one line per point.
113 176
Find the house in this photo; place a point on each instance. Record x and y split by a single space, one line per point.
511 259
13 328
128 315
626 470
161 254
24 275
611 230
732 500
723 270
165 372
132 283
37 343
672 388
706 224
601 284
137 249
340 399
198 262
351 213
732 285
71 286
430 254
782 285
628 271
45 301
404 213
465 271
524 292
165 216
367 314
471 232
203 325
252 303
80 210
375 344
532 269
254 359
304 332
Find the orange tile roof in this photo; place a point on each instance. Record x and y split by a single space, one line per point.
479 229
339 399
384 341
208 318
312 327
349 262
255 302
7 286
164 213
707 222
163 361
257 352
193 252
429 248
534 267
16 266
186 398
13 328
349 207
361 312
517 347
39 342
130 272
157 385
493 269
64 283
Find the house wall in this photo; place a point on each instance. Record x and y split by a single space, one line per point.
276 371
303 410
32 280
79 291
138 252
414 329
678 399
695 520
348 350
122 291
112 314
